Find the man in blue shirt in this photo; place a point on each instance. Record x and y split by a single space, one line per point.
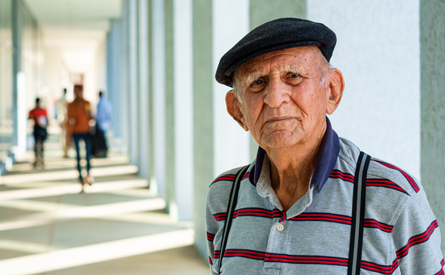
103 123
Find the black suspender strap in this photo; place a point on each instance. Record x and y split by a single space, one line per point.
358 214
230 209
357 222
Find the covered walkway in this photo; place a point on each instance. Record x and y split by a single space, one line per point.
116 227
155 61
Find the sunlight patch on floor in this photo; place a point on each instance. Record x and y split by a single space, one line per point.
65 175
83 212
95 253
35 205
23 246
70 189
147 218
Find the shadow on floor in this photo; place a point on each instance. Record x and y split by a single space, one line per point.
117 227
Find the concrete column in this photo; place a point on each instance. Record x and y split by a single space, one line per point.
432 83
262 11
159 107
133 87
124 91
231 143
203 115
183 108
18 83
114 38
143 99
109 63
376 42
170 168
151 159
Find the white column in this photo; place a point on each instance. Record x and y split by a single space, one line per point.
133 82
21 115
183 101
378 51
231 142
124 91
158 76
144 103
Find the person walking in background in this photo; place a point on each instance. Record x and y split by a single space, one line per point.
40 117
103 123
61 118
78 119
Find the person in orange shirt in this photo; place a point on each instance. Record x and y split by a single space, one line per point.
40 117
78 127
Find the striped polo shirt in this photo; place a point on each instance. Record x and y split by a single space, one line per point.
401 234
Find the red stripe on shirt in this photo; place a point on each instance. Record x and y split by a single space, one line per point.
228 177
379 225
384 269
442 263
411 181
418 239
384 183
324 217
246 176
344 176
210 237
256 212
297 259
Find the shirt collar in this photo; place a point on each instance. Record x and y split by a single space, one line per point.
330 147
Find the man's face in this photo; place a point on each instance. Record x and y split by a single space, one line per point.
283 100
78 92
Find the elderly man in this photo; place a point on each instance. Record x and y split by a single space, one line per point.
311 202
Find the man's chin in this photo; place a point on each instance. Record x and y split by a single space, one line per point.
280 140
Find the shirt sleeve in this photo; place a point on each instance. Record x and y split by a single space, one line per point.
69 112
211 230
109 110
69 116
416 238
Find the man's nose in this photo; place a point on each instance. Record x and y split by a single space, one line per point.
277 93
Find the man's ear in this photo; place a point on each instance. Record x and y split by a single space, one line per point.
234 109
334 91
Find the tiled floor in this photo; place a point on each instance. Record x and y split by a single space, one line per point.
116 227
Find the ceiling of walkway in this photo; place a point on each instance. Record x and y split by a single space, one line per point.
78 14
74 23
74 27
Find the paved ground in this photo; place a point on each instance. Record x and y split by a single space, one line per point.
116 227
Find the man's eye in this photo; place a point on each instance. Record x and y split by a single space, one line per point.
258 85
293 78
258 82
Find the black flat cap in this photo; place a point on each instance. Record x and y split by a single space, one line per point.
272 36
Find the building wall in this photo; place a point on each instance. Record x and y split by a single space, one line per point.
432 66
202 114
380 109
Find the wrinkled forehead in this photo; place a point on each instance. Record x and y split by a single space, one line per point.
292 59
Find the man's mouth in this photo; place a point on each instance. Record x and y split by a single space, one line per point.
274 119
